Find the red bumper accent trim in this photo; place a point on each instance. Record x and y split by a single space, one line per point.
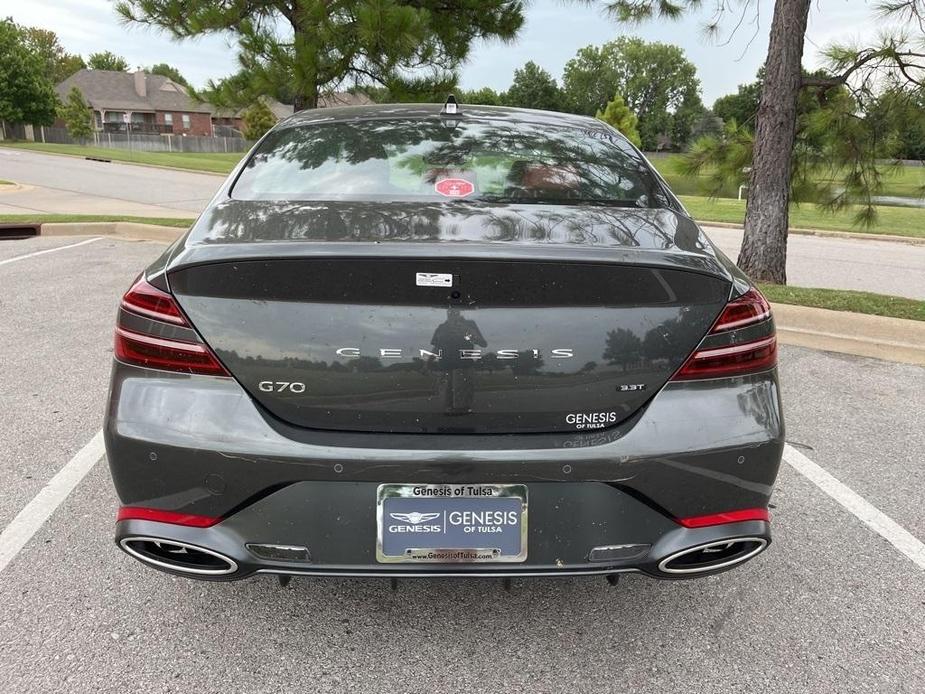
727 517
154 514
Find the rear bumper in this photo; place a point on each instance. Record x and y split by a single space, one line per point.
199 445
336 523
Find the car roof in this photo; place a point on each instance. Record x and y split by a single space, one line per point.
417 111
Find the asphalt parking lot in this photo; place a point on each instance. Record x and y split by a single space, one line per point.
831 607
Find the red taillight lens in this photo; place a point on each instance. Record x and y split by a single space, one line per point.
170 355
154 514
727 517
749 308
151 302
734 359
155 352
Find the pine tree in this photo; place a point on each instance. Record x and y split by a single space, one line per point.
257 120
305 48
618 115
77 116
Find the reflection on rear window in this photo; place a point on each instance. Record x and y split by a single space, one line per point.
438 160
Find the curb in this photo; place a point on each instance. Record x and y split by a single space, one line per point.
879 337
890 339
829 233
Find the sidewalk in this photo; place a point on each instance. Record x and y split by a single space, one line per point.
29 199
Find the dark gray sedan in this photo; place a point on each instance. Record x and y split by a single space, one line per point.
443 341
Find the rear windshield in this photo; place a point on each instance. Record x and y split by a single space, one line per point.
437 160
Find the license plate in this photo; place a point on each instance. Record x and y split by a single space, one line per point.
451 523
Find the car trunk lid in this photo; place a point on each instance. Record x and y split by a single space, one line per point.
385 337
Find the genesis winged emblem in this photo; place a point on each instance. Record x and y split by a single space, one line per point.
414 518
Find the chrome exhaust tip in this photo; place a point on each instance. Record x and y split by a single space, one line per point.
178 556
720 554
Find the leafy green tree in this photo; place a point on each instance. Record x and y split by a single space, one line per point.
894 57
76 114
533 87
741 107
683 120
59 64
257 120
898 115
424 90
656 80
107 60
486 96
67 66
311 47
618 115
26 92
168 71
707 124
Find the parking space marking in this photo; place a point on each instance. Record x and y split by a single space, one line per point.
49 250
867 513
27 522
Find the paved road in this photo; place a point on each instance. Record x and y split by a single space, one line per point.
72 185
872 266
831 607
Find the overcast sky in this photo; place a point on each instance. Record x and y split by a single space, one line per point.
554 31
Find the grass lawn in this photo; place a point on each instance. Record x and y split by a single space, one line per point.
213 163
905 182
901 221
5 183
844 300
42 218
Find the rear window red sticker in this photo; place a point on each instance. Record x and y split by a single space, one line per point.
454 187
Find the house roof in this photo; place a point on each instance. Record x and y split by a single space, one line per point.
279 110
116 91
282 111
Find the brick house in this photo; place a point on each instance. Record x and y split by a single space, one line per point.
233 119
152 104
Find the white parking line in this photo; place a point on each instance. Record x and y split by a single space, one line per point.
21 529
49 250
867 513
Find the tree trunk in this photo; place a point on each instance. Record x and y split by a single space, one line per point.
764 246
303 101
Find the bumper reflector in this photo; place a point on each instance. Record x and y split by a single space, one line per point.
279 552
154 514
749 514
617 552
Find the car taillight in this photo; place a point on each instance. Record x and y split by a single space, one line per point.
743 311
149 348
734 358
